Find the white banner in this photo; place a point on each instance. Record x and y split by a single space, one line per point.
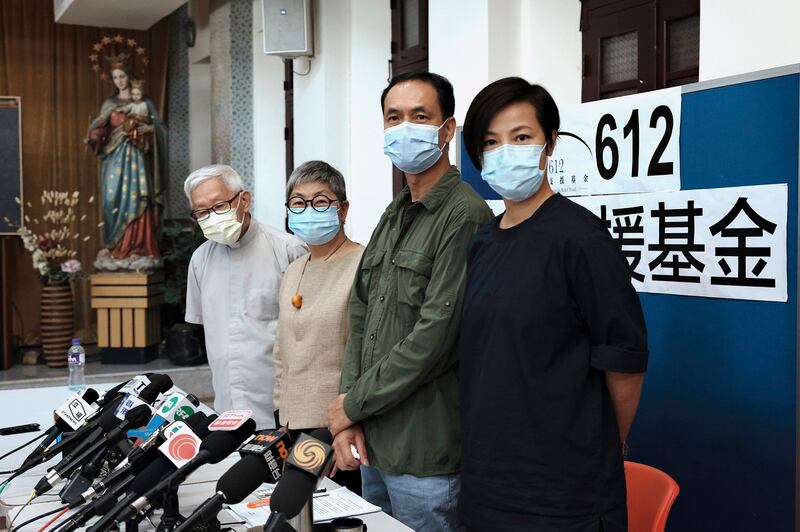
723 242
624 145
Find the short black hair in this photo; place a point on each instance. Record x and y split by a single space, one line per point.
497 96
444 90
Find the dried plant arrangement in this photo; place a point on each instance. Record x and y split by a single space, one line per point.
51 242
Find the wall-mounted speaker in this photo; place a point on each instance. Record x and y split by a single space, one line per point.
288 28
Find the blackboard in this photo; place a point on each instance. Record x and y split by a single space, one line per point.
719 409
10 162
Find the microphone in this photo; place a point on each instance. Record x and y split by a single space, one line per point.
99 507
142 455
60 426
262 458
148 470
308 461
213 449
114 432
90 395
150 475
153 385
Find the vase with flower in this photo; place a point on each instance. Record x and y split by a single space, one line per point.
53 244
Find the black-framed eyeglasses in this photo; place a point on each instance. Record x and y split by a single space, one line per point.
220 208
319 203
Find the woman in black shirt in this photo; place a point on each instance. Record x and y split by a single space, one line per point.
553 344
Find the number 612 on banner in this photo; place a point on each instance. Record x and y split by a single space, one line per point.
622 145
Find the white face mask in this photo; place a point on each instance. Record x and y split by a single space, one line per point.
223 228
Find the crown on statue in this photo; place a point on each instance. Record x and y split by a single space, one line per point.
135 56
137 84
117 61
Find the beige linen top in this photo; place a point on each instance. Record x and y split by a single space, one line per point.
309 350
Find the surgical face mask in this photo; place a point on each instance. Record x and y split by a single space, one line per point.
413 148
512 170
313 227
223 228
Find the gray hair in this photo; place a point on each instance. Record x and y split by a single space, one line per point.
227 174
312 171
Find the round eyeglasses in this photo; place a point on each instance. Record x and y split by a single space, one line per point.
220 208
319 203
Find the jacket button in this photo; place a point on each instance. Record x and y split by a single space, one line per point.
381 298
371 336
447 304
392 261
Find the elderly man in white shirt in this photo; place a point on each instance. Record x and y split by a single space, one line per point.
232 290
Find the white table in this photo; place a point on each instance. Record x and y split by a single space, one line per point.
20 407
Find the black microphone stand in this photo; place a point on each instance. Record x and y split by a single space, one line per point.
171 517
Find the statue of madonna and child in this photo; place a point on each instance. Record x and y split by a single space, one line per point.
129 138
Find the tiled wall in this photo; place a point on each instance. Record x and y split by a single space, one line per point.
177 118
241 89
231 113
231 24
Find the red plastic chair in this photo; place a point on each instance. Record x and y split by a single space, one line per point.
651 493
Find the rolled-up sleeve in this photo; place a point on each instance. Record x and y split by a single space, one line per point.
601 284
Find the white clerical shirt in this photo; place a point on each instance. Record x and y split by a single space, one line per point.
233 292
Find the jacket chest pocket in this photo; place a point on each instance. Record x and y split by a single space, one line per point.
413 273
370 270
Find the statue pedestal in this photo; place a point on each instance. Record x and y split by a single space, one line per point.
128 316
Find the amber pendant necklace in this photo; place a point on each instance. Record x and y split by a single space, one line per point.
297 298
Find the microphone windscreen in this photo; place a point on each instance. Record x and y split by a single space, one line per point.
90 395
243 478
195 420
323 435
164 381
201 430
113 393
108 420
294 490
220 444
138 416
150 392
152 474
158 384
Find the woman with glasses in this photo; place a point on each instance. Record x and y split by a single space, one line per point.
312 323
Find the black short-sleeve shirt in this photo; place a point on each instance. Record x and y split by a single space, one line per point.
549 308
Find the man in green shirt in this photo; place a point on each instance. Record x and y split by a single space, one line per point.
398 407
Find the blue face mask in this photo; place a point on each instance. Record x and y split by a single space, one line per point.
413 148
513 171
313 227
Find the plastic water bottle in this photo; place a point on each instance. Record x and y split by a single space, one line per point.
76 359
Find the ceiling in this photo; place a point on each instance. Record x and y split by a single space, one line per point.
125 14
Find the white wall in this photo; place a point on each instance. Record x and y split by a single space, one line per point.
337 104
369 177
199 115
551 48
539 40
269 148
459 50
739 36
